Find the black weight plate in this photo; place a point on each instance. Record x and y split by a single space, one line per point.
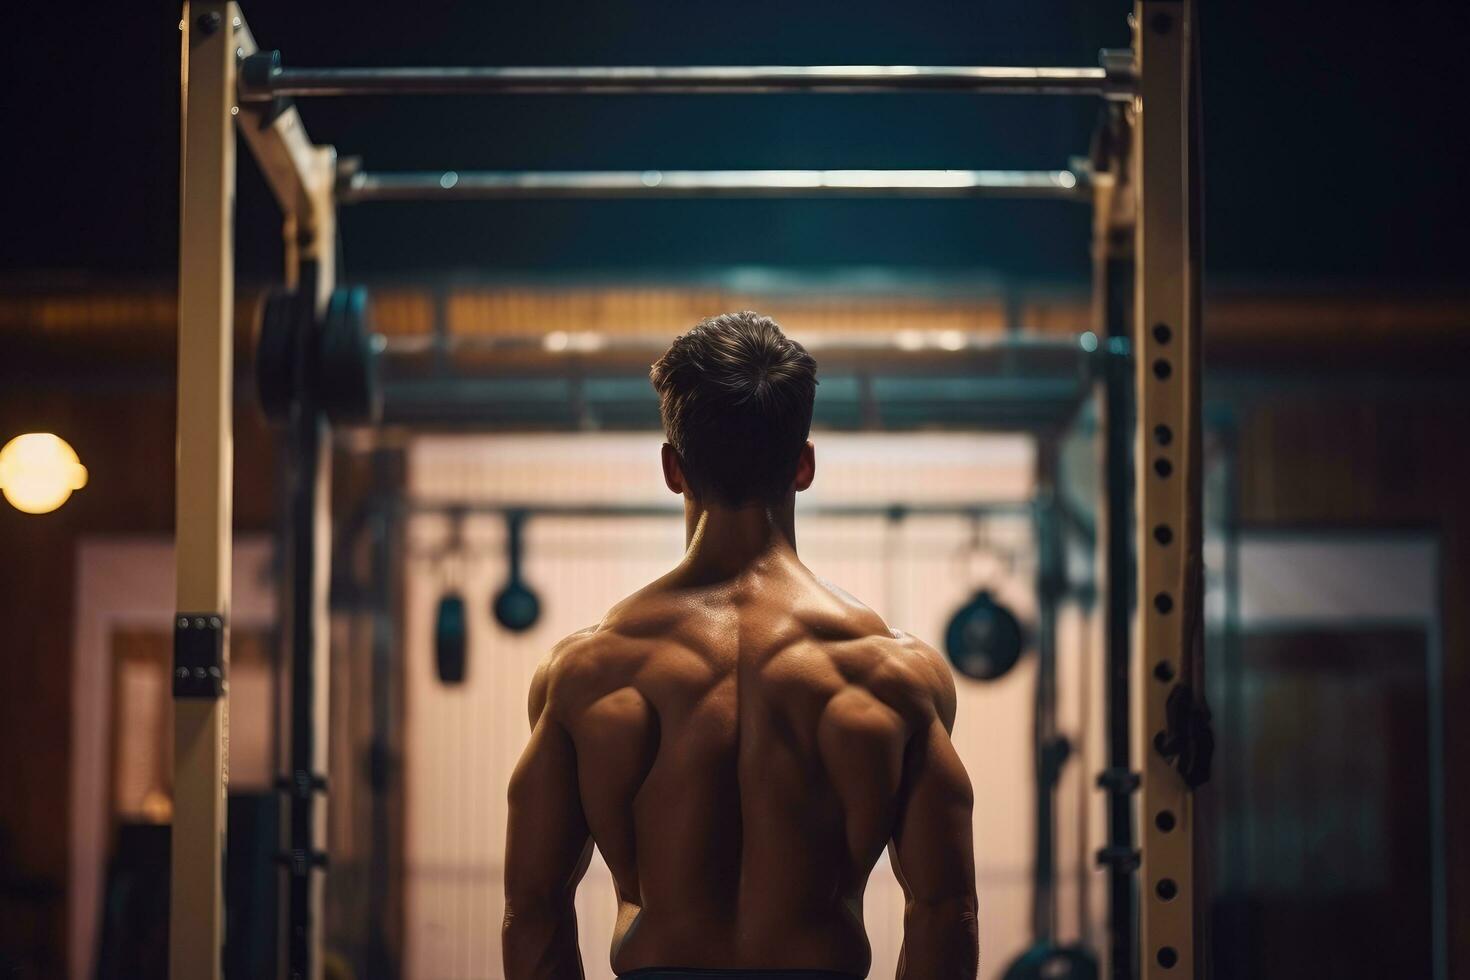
347 360
983 639
275 341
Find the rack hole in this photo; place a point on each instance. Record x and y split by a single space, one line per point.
1166 889
1162 333
1163 468
1162 369
1163 435
1167 957
1163 534
1163 602
1164 820
1164 671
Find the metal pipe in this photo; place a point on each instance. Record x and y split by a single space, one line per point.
578 344
451 185
893 511
309 478
1046 744
1119 778
277 82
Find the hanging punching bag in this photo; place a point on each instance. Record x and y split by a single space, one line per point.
450 639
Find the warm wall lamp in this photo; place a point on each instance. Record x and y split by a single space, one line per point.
39 471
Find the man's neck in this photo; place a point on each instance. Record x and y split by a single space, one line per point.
723 542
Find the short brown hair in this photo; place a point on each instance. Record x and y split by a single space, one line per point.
736 394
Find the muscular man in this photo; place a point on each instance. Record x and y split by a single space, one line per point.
740 739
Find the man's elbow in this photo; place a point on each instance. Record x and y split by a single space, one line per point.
537 905
535 925
538 939
948 927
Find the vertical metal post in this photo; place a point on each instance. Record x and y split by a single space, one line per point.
1050 747
309 437
1166 352
302 177
386 549
309 492
1118 779
203 505
1113 285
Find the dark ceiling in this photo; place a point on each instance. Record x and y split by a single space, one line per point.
1332 141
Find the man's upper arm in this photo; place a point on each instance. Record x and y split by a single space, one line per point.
547 841
933 843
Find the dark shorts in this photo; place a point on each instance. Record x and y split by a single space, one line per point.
674 973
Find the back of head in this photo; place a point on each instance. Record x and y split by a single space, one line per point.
736 398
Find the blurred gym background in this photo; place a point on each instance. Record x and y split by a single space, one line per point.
1338 544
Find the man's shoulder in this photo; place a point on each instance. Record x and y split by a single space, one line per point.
896 664
847 618
911 671
620 640
833 613
583 653
575 647
575 666
930 671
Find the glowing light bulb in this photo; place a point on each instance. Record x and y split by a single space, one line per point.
39 471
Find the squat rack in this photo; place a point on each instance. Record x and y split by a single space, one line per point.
1140 182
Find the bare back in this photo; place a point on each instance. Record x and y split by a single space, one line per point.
742 752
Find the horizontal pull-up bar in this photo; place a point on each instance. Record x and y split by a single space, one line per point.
957 346
495 185
263 78
896 511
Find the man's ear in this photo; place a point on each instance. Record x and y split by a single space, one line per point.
673 470
806 467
